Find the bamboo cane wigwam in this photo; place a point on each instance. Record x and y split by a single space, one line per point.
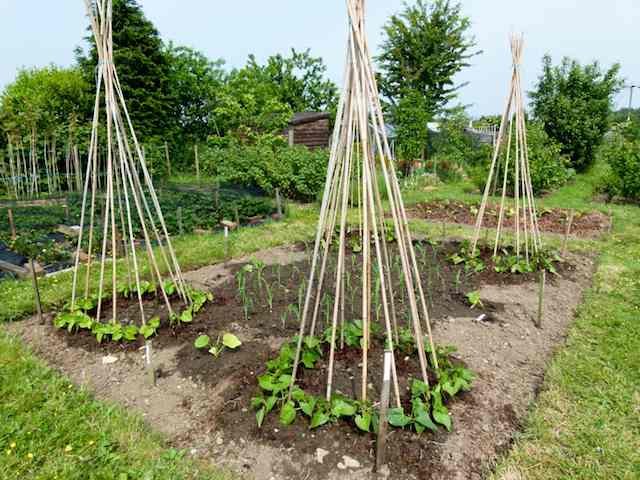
526 231
360 153
129 197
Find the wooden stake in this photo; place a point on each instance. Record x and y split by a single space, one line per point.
195 149
278 203
384 406
36 290
12 225
166 154
543 279
567 232
151 373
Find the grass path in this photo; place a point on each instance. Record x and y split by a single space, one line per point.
586 422
49 429
584 426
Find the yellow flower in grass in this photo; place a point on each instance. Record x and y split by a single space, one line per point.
91 442
30 456
68 448
8 452
13 445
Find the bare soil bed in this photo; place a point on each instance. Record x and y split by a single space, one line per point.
584 224
203 404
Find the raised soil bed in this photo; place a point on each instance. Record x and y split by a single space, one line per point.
203 404
554 220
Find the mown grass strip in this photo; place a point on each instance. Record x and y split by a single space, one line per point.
50 429
586 421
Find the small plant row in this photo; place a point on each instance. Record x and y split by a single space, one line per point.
506 262
79 317
427 406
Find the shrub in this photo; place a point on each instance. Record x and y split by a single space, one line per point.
298 172
622 175
549 168
574 103
453 149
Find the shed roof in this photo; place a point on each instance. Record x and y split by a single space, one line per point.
301 118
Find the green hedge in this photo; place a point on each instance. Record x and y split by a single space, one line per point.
621 154
299 173
549 168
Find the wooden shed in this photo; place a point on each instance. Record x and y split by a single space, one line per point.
311 129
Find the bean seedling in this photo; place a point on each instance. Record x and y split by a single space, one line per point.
228 340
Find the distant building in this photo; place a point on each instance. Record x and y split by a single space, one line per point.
311 129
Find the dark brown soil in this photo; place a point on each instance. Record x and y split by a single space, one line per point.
584 224
203 403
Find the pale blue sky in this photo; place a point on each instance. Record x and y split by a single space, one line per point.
38 32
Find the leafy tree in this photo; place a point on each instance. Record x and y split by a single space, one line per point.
300 81
411 118
49 101
143 67
194 86
249 105
424 47
575 102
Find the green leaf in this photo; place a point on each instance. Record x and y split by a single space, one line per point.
260 416
154 323
169 287
298 394
363 422
130 332
288 413
319 418
424 420
202 341
308 405
309 359
266 382
271 402
283 382
147 331
341 408
311 342
229 340
186 316
442 416
397 418
418 387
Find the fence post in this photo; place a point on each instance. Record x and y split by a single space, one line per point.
195 149
179 215
166 153
12 225
278 202
36 290
567 232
